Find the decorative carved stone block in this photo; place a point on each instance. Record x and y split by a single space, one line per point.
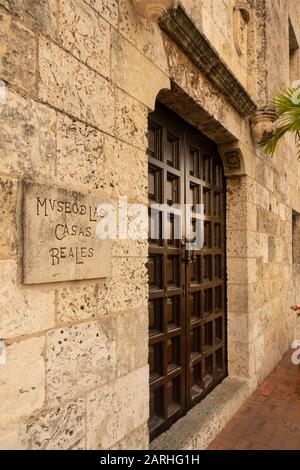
241 19
233 160
263 124
153 10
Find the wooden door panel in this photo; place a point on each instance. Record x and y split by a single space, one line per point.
187 291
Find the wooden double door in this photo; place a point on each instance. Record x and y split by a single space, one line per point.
187 289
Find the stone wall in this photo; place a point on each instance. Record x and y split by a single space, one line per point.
81 77
72 366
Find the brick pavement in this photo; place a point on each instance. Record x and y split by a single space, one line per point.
270 419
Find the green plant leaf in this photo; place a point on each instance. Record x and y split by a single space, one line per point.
288 111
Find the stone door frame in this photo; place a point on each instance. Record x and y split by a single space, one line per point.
210 415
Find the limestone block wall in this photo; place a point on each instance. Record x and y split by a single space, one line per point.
76 353
81 77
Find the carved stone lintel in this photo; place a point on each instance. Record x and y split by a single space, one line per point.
153 10
263 124
181 29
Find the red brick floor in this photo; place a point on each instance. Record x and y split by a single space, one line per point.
270 419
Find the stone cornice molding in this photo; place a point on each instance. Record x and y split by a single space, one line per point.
181 29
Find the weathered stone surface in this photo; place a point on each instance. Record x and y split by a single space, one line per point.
260 357
89 98
267 222
188 77
132 340
22 381
23 310
109 9
199 50
241 216
243 243
262 196
138 439
39 15
86 35
239 300
195 10
143 34
76 303
201 425
80 153
27 136
130 69
238 328
10 439
241 271
115 409
296 238
18 54
60 429
8 229
80 445
79 358
240 190
134 186
131 120
241 362
128 248
59 235
126 288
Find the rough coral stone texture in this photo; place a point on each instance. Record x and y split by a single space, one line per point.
39 15
138 439
132 340
131 69
131 120
115 409
143 34
126 288
24 310
8 229
22 381
75 303
80 153
72 87
59 429
241 270
241 359
79 358
10 439
18 54
27 136
86 35
135 185
108 9
134 248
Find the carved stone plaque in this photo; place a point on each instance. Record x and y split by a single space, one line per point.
59 235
